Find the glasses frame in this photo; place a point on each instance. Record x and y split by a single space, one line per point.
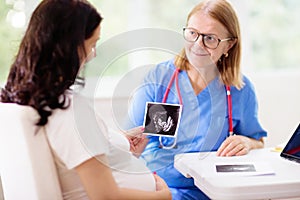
203 36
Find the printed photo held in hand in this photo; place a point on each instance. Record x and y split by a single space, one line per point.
162 119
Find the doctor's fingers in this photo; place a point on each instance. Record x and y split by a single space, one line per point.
238 146
135 132
139 148
238 150
223 146
137 140
242 152
229 146
133 143
142 144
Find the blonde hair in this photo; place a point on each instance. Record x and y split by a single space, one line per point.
228 66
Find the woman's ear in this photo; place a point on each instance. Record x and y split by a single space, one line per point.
231 43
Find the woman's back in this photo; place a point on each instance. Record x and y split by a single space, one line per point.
73 142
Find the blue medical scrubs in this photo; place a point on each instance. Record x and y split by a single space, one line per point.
203 125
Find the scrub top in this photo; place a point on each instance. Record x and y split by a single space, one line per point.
203 124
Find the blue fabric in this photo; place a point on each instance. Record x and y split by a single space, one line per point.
203 124
187 194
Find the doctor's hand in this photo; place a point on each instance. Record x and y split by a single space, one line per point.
137 140
238 145
235 145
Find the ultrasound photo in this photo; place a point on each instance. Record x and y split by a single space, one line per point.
162 119
236 168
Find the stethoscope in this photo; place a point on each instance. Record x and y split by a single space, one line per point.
175 77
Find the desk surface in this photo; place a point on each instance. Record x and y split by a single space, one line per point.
284 183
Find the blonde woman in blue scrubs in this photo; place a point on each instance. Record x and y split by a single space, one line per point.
218 101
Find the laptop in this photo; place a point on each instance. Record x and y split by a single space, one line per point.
292 149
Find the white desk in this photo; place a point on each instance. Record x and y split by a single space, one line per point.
285 183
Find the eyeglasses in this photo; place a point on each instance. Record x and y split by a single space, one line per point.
209 40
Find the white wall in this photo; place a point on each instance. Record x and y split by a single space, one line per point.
279 103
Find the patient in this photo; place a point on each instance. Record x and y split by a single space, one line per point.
92 162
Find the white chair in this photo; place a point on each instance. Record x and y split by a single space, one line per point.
27 168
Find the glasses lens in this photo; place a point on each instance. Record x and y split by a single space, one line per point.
210 41
190 34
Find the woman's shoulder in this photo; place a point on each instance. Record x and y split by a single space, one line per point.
247 90
248 84
77 108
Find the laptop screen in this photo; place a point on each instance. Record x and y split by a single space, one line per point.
292 149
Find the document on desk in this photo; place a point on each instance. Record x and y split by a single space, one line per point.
243 169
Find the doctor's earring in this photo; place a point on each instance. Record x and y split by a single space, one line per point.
223 57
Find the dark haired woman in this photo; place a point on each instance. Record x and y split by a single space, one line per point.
60 38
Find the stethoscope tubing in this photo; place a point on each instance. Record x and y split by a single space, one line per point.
175 77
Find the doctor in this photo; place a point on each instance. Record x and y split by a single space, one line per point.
219 103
